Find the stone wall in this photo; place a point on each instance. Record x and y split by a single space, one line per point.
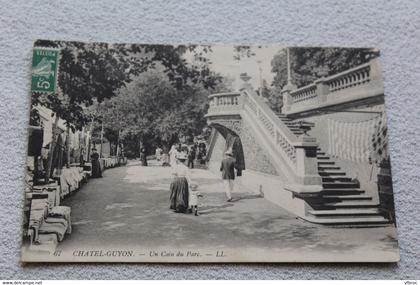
216 155
259 175
256 158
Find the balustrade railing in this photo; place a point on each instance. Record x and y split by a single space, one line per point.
353 77
354 84
224 102
304 93
279 134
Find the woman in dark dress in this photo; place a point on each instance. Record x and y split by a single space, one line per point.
179 187
96 166
143 157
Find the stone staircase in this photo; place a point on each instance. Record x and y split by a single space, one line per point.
341 202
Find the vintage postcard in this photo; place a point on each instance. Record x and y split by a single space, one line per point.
202 153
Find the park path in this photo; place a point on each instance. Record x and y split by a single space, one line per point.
130 206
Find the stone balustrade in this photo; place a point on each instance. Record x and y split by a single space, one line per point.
350 78
304 93
296 155
299 153
224 103
354 84
279 133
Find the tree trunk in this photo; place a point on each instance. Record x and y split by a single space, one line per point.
140 146
68 147
118 143
52 147
102 138
90 141
165 146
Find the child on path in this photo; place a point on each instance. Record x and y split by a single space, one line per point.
193 198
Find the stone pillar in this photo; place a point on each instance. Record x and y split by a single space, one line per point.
376 73
287 99
307 162
322 90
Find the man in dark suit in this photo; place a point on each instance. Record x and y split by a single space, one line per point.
228 173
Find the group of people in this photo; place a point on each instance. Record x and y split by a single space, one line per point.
188 153
184 192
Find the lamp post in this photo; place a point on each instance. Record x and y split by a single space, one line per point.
289 76
287 100
261 82
102 136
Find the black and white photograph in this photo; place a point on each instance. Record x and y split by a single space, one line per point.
207 154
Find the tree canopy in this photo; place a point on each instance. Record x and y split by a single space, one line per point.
151 110
93 72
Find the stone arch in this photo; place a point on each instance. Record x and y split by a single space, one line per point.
251 152
231 134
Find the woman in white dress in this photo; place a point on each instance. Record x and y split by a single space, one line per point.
172 156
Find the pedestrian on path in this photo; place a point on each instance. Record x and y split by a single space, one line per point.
193 198
158 153
143 157
191 157
227 168
172 155
96 166
179 199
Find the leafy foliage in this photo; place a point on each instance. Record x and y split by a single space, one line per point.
94 72
150 110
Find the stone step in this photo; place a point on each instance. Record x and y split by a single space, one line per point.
348 221
345 212
331 173
342 191
347 197
340 185
322 157
328 167
336 178
352 204
326 162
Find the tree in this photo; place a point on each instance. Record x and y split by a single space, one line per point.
93 72
272 96
150 110
225 84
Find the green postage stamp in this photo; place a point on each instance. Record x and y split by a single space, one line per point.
44 70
